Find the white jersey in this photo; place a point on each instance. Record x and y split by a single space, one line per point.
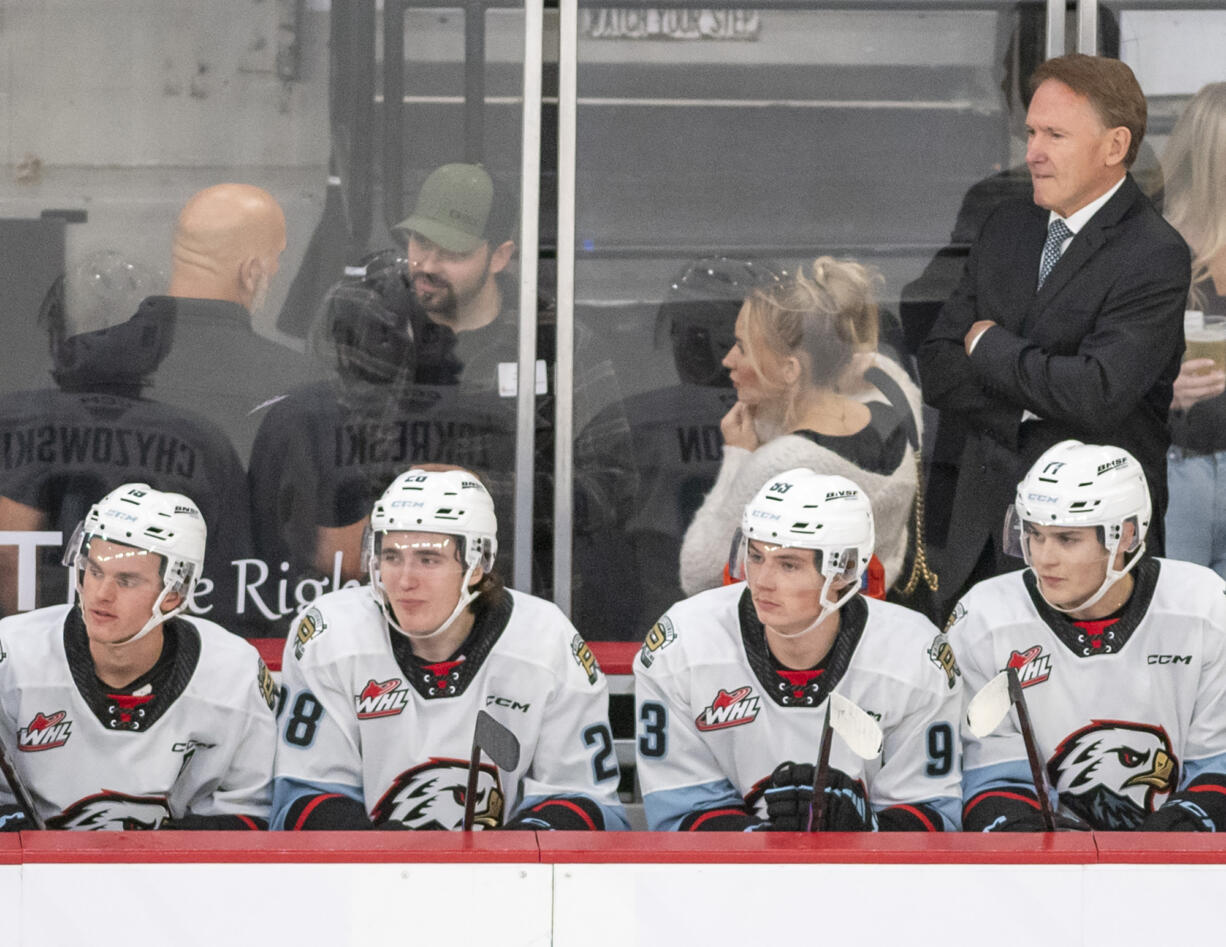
199 741
1123 713
715 717
367 720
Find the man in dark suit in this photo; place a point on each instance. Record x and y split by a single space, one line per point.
1068 321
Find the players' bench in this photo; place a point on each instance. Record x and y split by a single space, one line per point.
616 660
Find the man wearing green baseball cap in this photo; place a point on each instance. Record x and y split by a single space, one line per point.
459 239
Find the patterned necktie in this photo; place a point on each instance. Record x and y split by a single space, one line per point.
1057 233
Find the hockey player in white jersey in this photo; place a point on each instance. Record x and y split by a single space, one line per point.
1121 657
384 683
118 712
732 684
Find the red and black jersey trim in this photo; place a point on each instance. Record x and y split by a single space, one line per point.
852 618
451 678
327 811
987 808
910 817
1080 640
164 683
566 813
730 819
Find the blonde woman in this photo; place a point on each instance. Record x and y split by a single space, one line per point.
798 365
1194 168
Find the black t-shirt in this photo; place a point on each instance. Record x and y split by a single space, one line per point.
878 447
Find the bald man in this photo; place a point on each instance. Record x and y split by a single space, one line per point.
227 248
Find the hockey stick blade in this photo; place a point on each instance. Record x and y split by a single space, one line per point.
859 731
499 743
990 706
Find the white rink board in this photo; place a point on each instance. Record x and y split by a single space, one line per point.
10 903
912 905
304 905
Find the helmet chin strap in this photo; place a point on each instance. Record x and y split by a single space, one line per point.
157 616
467 596
828 609
1112 576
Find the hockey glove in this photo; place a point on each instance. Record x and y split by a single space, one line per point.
790 793
1178 815
13 819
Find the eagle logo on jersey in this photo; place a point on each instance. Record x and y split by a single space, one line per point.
431 796
584 658
44 732
729 709
381 699
1112 772
942 655
662 634
1032 665
310 625
113 812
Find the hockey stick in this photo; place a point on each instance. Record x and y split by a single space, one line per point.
862 735
984 714
501 745
20 793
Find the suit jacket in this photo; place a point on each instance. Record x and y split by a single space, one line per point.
1093 354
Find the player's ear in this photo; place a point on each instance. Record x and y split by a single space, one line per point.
172 601
477 576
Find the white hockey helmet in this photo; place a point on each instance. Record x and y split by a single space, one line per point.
167 524
451 502
1076 484
803 509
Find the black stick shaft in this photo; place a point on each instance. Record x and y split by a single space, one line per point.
1032 751
817 807
470 793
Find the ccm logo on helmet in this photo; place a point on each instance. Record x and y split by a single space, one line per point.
1040 498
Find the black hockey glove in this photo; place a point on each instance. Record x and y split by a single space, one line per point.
13 819
1014 809
1178 815
790 794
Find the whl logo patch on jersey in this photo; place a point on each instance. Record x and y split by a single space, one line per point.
1032 665
44 732
381 699
729 709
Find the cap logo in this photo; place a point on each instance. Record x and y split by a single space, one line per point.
1111 465
840 494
